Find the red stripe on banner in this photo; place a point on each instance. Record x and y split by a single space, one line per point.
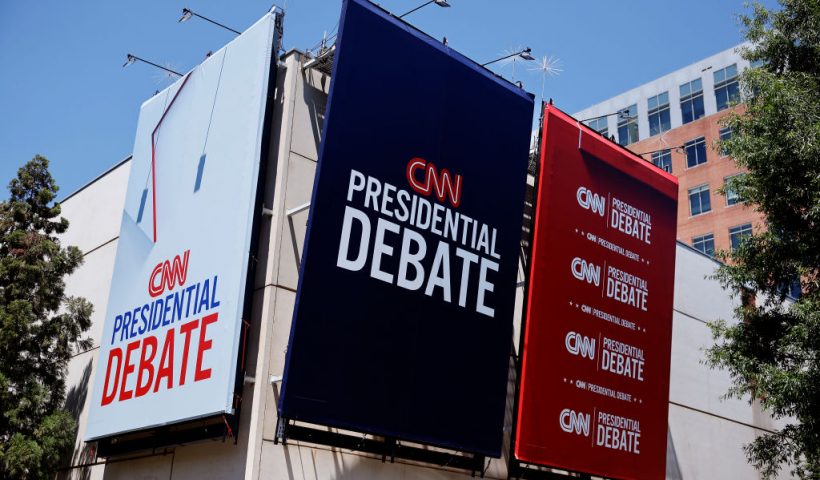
153 154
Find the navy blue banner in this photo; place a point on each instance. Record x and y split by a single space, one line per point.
403 320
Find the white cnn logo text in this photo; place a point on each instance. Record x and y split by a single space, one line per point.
590 201
572 421
582 270
578 344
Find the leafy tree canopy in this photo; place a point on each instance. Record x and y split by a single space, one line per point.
40 327
773 350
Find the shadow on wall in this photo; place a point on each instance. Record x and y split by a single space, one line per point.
84 453
302 462
672 468
316 100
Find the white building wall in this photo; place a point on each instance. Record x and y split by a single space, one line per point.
706 433
703 69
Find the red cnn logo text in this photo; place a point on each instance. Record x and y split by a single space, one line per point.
166 275
443 183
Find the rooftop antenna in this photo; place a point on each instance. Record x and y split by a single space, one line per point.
547 66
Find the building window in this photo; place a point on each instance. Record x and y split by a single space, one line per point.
659 120
725 134
691 100
732 197
699 200
705 244
663 159
737 234
727 91
628 125
599 125
695 152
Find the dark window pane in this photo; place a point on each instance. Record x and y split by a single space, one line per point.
599 125
686 111
628 125
706 203
726 87
705 243
721 99
737 234
691 156
699 200
623 135
697 107
628 133
725 134
666 121
695 152
734 92
654 124
663 159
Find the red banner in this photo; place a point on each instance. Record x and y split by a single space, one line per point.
595 378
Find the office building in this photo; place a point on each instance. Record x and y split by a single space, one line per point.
675 121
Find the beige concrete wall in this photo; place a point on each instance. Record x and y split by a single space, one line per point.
94 214
706 433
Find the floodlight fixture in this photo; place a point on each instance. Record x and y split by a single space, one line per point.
187 13
129 59
525 53
440 3
680 149
622 114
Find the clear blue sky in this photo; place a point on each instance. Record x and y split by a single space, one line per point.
65 95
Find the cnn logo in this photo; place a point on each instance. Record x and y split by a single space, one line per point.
590 201
586 271
168 274
572 421
441 183
580 345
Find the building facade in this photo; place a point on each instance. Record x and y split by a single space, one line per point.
675 122
706 433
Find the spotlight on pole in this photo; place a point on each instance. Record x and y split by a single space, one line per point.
187 13
440 3
622 114
133 58
525 53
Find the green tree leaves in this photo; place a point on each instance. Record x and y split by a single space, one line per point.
773 351
40 327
